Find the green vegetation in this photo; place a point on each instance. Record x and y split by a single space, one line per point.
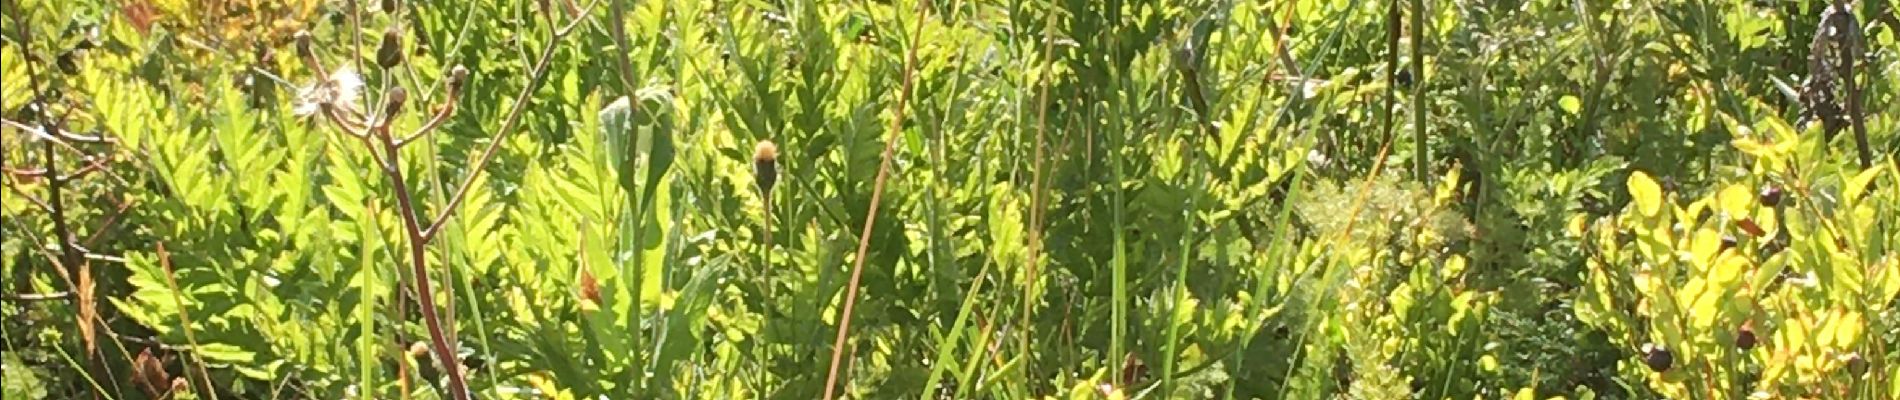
1300 199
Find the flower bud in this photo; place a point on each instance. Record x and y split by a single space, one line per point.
393 101
457 77
303 45
765 165
417 350
390 54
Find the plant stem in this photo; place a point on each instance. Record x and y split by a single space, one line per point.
870 216
439 340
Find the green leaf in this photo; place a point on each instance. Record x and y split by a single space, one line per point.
1646 193
1858 185
1570 104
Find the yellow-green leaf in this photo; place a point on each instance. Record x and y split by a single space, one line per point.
1736 199
1646 193
1858 185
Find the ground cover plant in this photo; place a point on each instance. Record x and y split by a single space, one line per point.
1014 199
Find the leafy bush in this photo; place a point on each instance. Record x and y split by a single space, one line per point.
1027 199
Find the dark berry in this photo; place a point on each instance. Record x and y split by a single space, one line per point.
1659 359
1745 339
1856 365
1770 196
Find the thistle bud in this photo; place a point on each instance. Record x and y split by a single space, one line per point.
390 54
457 77
303 45
765 165
417 350
393 101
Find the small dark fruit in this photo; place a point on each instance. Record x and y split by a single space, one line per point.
1770 195
1856 365
1659 359
1745 339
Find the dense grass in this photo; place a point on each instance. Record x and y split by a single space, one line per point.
967 199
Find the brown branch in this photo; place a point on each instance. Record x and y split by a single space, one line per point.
389 161
31 297
507 125
877 192
110 221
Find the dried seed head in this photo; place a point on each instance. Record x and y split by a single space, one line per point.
457 77
393 101
149 373
417 349
303 45
390 54
765 165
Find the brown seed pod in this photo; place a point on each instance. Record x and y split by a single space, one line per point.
390 53
148 373
418 350
1133 370
458 77
765 165
393 102
303 45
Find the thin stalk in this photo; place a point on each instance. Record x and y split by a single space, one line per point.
1037 195
1391 73
418 260
1421 153
184 320
870 216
